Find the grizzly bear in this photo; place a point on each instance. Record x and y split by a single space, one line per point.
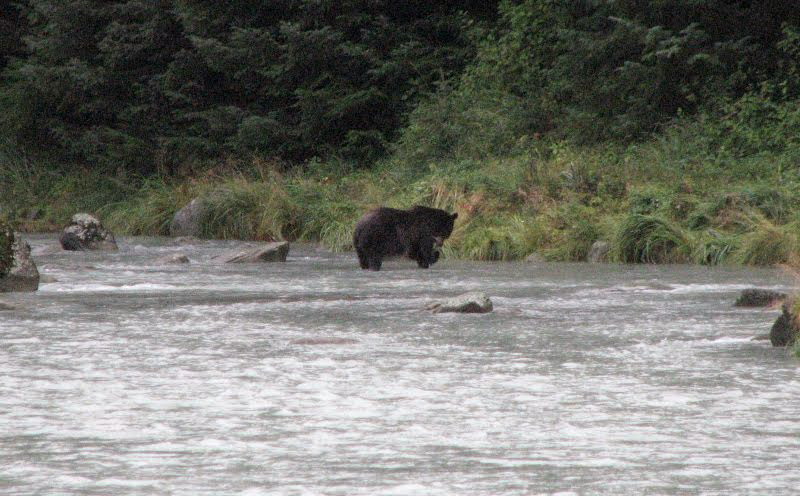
415 233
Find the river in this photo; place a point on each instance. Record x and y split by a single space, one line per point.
127 377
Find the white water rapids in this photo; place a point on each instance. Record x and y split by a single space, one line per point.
126 377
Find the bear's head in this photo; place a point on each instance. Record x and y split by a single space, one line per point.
437 222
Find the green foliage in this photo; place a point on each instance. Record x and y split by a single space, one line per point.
713 247
149 211
649 239
497 237
150 85
768 244
575 228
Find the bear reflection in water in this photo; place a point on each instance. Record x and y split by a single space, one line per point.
416 233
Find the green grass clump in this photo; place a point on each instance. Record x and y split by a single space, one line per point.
485 239
768 244
149 212
243 209
649 239
713 248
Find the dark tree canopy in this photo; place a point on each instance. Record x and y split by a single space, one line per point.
147 84
136 83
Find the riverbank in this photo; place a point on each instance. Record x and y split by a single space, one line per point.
670 199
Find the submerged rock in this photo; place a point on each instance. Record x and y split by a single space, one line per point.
188 220
23 274
5 307
86 232
465 303
187 240
599 252
785 329
177 258
755 297
269 252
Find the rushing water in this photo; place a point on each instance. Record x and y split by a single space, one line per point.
125 377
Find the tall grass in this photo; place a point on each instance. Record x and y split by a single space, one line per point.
149 211
661 201
650 239
768 244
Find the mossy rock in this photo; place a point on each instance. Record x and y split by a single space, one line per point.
6 248
22 274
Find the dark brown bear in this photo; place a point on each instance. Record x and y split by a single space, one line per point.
415 233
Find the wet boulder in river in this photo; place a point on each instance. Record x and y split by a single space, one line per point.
86 232
268 252
22 274
755 297
188 220
599 252
786 328
465 303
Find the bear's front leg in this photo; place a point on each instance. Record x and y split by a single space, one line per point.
427 254
375 263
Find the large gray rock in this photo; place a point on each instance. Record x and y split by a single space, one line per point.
755 297
188 220
785 329
599 251
465 303
86 232
269 252
23 275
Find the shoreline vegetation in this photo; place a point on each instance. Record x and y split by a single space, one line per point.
671 199
669 131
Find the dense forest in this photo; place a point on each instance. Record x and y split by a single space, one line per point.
548 124
140 83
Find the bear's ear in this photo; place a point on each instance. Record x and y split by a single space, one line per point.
455 216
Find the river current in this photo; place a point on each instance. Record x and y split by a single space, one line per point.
312 377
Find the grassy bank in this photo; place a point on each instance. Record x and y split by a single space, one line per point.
665 200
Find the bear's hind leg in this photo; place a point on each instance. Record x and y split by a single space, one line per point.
362 259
